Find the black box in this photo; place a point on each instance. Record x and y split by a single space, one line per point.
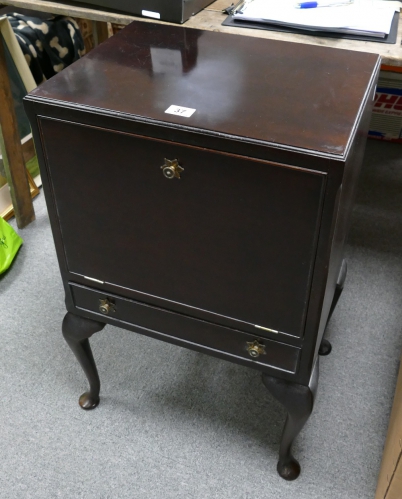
175 11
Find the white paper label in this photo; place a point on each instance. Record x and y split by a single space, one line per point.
149 13
180 111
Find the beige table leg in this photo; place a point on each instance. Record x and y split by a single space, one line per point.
10 145
100 32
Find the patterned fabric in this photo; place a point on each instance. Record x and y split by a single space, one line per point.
48 45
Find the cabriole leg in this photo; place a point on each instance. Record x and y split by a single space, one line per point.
339 287
76 331
326 347
298 400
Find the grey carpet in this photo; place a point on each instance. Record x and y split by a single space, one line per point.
177 424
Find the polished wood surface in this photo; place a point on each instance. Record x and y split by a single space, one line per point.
239 256
246 88
232 280
166 325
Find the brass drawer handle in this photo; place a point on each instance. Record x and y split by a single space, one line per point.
106 306
171 169
255 349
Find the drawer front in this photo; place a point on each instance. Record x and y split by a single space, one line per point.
233 237
193 333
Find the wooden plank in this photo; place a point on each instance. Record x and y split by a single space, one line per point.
6 205
100 31
219 5
28 149
10 146
390 479
71 9
211 19
394 491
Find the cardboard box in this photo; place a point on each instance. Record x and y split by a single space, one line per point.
390 479
386 120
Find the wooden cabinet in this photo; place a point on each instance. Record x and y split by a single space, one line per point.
199 187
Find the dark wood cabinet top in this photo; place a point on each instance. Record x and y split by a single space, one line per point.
293 95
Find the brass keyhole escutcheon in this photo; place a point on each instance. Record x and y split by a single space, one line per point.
106 306
255 349
171 169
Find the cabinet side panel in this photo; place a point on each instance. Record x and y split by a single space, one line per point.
341 188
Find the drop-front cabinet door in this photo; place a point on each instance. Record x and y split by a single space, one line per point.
233 239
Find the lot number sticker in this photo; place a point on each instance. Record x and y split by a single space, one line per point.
180 111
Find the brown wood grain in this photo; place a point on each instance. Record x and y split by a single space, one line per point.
390 478
10 145
394 491
71 9
255 96
100 30
28 148
219 5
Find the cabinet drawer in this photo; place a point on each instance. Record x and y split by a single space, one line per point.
184 330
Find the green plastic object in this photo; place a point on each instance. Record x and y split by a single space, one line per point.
10 243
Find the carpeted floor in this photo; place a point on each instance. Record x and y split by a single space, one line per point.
177 424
